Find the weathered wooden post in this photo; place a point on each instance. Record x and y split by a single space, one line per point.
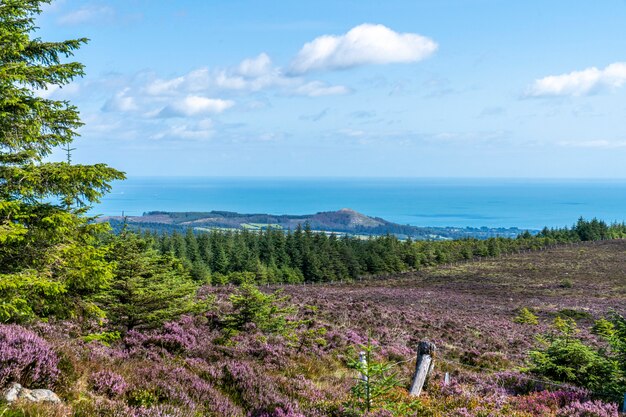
446 379
423 366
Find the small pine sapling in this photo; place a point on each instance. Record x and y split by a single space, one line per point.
376 380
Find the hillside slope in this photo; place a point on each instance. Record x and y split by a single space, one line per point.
471 306
185 368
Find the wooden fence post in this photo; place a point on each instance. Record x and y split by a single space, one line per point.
423 366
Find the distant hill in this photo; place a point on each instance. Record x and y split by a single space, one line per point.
344 221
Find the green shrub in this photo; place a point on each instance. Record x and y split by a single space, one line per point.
142 398
525 316
486 360
268 312
565 358
28 295
603 328
106 338
617 341
575 314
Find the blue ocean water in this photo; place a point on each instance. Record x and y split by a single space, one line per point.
420 202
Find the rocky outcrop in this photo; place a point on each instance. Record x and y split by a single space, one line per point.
17 392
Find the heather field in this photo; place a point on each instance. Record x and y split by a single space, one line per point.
471 306
193 367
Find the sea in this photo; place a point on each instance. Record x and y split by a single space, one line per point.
522 203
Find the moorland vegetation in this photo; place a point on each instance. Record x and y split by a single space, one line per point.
130 325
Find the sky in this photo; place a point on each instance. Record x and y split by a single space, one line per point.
394 88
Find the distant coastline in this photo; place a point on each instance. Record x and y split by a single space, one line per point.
343 222
421 202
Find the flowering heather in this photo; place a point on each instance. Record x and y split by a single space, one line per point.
174 337
109 408
26 358
589 409
182 387
280 412
108 383
516 383
543 402
255 388
188 368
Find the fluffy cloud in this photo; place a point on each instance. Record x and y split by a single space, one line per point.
363 44
579 83
251 75
256 67
195 106
181 106
164 87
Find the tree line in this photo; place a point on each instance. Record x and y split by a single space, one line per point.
302 255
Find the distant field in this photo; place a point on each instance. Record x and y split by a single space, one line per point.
260 226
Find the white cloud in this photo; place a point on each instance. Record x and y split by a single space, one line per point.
180 106
256 67
254 74
579 83
353 133
121 102
362 45
251 75
87 14
200 130
195 106
164 87
319 88
596 144
47 92
56 92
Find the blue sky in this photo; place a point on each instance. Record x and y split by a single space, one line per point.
440 88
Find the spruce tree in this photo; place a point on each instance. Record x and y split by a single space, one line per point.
50 260
147 288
